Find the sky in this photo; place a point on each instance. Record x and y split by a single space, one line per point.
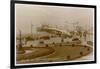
64 17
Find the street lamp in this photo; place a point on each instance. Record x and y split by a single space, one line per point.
20 41
31 30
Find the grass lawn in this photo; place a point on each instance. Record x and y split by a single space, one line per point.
54 53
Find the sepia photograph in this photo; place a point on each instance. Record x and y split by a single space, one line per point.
46 34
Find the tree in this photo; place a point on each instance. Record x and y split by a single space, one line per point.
85 34
79 30
20 41
62 40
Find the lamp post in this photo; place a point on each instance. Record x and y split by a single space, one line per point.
31 30
20 41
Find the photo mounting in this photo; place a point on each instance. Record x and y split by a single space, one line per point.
52 34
